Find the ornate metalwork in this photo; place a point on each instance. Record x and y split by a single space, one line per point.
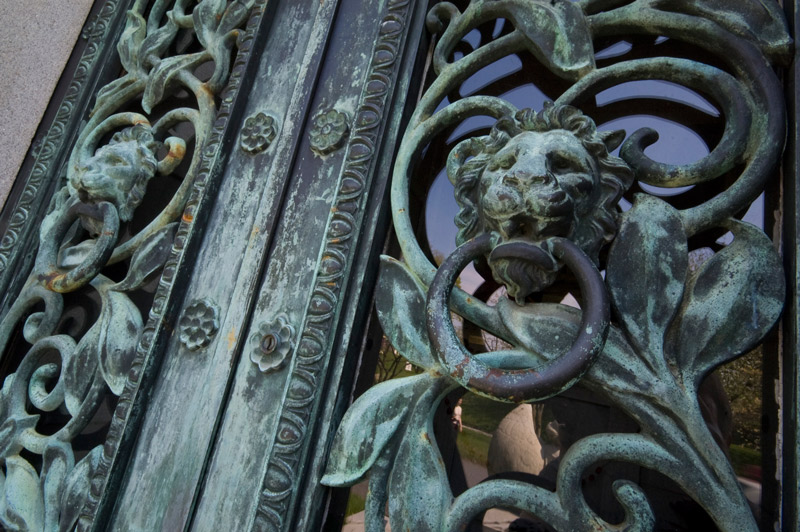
317 332
258 133
159 320
44 171
198 324
540 192
73 368
271 345
329 129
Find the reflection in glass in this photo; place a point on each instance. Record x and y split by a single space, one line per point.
480 438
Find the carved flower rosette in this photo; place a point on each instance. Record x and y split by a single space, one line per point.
198 324
78 324
329 129
537 195
258 133
271 344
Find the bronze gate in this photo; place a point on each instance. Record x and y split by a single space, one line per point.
191 258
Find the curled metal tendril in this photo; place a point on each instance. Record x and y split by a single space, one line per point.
749 97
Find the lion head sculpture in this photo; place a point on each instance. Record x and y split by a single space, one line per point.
119 171
537 176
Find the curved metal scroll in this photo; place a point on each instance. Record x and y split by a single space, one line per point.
73 331
669 328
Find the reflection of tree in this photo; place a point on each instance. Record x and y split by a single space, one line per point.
390 362
742 382
493 343
490 341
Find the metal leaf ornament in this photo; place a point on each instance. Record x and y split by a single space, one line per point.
369 426
760 21
555 32
402 312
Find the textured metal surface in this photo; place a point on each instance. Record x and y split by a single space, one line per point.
518 386
26 211
259 263
75 368
669 328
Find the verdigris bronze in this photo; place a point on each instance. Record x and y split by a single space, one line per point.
271 345
538 186
198 324
258 133
538 176
70 365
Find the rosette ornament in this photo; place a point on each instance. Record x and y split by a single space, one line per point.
258 133
328 131
199 324
271 344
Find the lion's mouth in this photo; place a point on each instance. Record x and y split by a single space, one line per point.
536 228
523 267
558 204
521 259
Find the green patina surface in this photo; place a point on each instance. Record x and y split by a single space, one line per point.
530 183
116 155
242 390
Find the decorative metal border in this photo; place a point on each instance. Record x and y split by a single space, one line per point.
53 143
157 321
292 432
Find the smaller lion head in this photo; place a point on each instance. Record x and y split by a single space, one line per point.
537 176
119 171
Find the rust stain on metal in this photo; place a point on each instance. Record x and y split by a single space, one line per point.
52 279
231 337
177 151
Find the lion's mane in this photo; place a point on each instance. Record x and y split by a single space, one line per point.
615 177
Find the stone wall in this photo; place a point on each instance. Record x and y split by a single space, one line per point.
35 43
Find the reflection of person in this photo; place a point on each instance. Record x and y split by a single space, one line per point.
457 416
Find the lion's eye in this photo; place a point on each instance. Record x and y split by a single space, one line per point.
560 163
116 160
506 160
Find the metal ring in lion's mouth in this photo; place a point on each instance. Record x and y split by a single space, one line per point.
519 385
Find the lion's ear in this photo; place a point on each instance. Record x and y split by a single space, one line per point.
612 139
459 155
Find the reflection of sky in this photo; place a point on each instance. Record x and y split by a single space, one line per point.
652 88
615 50
490 73
440 213
677 144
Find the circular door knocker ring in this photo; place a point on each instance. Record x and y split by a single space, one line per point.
60 280
519 385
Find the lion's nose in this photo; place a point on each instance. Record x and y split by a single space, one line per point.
527 178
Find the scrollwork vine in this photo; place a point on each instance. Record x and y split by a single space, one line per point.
68 371
670 327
